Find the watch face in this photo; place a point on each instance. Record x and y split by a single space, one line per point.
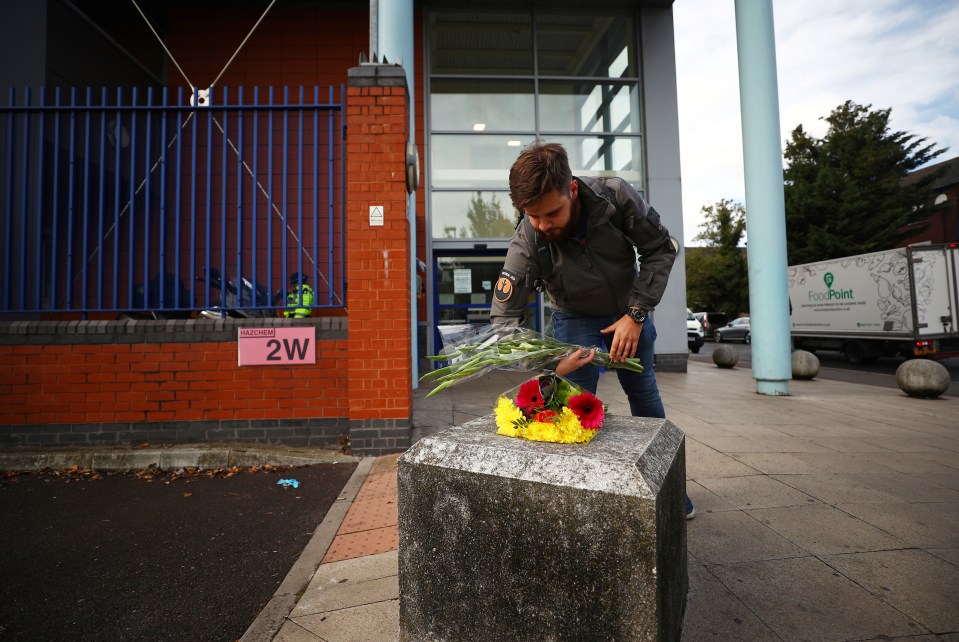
639 316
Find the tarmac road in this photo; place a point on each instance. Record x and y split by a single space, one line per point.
833 365
123 558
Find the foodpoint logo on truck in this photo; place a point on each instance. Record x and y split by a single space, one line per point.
830 294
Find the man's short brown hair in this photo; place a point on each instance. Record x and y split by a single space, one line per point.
540 169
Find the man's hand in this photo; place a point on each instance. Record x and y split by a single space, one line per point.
625 338
575 360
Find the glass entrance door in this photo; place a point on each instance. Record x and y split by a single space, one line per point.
463 292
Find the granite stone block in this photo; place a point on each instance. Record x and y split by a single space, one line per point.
508 539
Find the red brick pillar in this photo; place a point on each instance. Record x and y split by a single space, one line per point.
378 260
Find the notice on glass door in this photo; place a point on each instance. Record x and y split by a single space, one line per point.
462 281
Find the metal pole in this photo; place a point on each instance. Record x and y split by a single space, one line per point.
395 25
374 29
765 207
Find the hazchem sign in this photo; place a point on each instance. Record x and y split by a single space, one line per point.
277 346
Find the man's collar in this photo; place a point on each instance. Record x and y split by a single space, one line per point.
581 215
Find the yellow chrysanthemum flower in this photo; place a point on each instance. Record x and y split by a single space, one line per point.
507 414
568 422
538 431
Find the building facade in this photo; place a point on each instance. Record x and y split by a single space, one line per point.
369 151
938 222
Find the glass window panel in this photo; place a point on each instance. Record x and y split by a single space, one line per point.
589 107
604 156
474 161
480 43
464 288
472 215
586 45
481 105
469 280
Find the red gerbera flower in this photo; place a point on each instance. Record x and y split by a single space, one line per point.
546 416
529 397
588 409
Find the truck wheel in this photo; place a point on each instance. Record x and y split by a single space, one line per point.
695 349
857 353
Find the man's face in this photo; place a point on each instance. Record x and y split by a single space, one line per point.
554 215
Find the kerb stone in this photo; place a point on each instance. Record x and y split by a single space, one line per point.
508 539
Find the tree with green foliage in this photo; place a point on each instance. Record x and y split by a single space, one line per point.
487 219
716 275
845 193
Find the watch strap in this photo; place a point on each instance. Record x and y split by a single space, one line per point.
637 314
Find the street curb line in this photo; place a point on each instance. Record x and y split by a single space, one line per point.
202 455
276 612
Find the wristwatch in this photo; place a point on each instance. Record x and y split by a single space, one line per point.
637 314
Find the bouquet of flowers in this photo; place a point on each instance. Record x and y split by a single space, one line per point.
473 351
549 408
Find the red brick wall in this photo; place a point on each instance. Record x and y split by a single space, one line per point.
149 382
60 390
292 46
72 388
378 257
942 226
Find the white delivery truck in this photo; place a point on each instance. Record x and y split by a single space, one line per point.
902 301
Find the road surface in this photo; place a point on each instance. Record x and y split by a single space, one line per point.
834 366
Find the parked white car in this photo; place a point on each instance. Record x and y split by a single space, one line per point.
694 332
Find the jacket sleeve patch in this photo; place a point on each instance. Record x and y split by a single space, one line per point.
504 287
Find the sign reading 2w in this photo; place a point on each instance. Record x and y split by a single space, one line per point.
277 346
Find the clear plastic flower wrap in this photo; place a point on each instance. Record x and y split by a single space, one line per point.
472 351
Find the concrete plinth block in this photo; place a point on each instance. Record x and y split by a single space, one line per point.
508 539
805 365
725 356
922 378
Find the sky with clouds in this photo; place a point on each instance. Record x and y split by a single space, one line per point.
898 54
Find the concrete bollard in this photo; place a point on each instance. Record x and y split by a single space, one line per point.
508 539
805 365
725 356
922 378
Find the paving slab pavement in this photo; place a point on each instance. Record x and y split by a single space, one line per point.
828 514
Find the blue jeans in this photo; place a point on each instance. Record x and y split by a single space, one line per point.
640 388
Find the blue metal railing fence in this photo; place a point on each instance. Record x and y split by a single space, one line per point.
121 201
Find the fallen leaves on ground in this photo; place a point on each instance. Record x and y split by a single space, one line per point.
73 473
150 474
